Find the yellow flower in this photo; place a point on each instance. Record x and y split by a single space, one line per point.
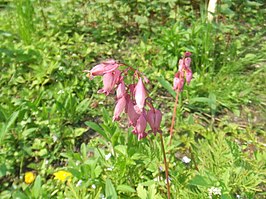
29 177
62 176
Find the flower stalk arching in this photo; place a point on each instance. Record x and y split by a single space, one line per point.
183 74
133 100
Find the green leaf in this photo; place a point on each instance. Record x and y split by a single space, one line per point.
36 189
148 183
5 128
200 99
83 106
3 170
19 195
83 150
110 190
75 173
125 188
152 191
115 137
142 193
122 149
199 181
97 128
167 86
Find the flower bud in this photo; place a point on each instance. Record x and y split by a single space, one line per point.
119 108
140 96
102 68
154 118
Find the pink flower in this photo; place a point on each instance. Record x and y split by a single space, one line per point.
109 81
178 81
154 118
121 90
183 70
140 96
119 108
131 113
188 76
140 127
187 63
131 88
181 65
102 68
188 54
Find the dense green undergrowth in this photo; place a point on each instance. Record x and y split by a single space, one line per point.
52 119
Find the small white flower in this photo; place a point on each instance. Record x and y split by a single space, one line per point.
102 196
60 92
165 181
93 186
79 183
46 162
186 160
110 168
159 178
55 138
214 191
107 157
77 163
238 196
61 68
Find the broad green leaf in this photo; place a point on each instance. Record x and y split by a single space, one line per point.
97 128
36 189
142 193
122 149
125 188
167 86
3 170
152 191
75 173
199 181
148 183
19 195
5 128
110 192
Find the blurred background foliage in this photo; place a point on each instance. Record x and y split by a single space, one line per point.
46 99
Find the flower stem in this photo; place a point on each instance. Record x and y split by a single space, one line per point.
166 167
173 117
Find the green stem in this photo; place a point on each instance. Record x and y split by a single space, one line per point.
166 167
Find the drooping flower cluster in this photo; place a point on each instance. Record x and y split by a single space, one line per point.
184 72
131 99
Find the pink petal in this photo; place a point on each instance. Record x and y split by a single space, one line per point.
140 96
140 127
178 82
188 54
109 81
121 90
131 113
188 76
119 108
102 68
187 62
154 118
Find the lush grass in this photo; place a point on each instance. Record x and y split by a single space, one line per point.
51 117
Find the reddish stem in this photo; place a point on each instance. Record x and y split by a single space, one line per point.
173 117
166 168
